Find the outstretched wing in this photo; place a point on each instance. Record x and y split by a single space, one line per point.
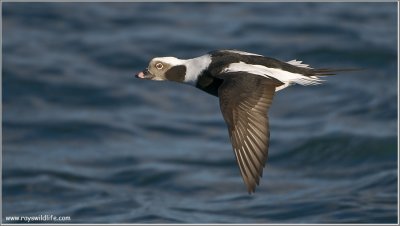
244 101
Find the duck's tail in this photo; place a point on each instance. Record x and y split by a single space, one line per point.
328 71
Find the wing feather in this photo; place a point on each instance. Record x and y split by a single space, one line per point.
244 101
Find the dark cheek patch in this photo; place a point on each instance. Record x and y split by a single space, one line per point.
176 73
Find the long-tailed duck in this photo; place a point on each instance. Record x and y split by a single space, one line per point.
245 84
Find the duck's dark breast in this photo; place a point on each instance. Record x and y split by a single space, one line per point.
209 84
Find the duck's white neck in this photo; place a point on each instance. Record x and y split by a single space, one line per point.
194 68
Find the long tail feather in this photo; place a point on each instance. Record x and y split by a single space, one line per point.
328 71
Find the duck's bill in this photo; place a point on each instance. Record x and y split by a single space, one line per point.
144 75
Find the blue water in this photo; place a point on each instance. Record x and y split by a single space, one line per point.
83 138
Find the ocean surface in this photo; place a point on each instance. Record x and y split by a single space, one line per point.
82 138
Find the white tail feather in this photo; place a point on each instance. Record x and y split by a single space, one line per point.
298 63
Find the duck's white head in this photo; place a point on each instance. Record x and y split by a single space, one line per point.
174 69
164 68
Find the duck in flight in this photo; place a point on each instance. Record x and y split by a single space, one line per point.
245 84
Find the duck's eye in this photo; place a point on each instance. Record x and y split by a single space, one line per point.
159 66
